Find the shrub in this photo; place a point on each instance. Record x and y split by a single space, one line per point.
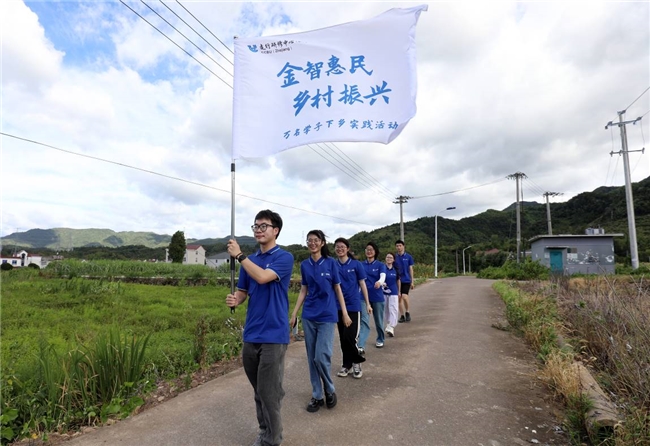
527 270
6 267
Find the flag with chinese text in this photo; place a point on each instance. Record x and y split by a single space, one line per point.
351 82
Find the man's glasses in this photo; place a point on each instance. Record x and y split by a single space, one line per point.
262 228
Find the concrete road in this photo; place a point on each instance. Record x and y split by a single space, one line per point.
446 378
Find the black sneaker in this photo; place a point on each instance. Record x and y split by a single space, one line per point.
330 400
408 317
315 404
401 319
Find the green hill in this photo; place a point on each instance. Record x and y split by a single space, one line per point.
604 207
65 239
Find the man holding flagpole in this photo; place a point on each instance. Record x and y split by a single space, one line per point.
265 276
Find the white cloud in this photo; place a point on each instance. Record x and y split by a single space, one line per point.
503 87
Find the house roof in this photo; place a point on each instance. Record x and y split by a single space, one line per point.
193 247
569 236
219 256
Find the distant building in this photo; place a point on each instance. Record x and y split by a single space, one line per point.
591 253
194 255
22 258
216 260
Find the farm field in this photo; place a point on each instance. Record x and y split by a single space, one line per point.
46 321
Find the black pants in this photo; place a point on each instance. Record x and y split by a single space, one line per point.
264 367
348 337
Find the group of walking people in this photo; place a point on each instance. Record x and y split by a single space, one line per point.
339 292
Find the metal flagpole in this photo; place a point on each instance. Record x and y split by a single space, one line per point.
232 227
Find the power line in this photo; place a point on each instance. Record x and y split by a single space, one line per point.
460 190
332 163
644 91
226 46
197 33
365 180
180 47
194 183
186 38
363 171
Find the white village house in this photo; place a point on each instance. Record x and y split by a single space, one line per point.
22 258
216 260
194 255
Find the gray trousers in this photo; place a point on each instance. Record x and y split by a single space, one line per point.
264 367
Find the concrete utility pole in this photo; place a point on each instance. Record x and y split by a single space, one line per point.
401 200
634 253
518 176
548 209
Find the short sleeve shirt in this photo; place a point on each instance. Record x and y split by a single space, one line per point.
267 317
320 277
405 261
391 280
373 270
351 272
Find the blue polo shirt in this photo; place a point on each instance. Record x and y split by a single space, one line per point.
391 280
351 272
320 278
373 270
404 261
267 317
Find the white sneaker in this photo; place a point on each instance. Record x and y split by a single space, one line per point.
390 331
343 372
356 371
379 344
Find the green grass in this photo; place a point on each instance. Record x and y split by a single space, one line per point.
77 351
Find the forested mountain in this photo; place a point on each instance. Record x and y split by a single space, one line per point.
64 239
604 207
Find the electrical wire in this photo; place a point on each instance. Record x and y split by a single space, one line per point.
644 91
226 46
186 38
459 190
180 47
194 183
197 33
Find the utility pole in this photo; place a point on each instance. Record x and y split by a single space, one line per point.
518 176
548 209
401 200
634 253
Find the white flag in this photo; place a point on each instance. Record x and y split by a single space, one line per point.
350 82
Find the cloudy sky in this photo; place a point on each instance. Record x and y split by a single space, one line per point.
130 133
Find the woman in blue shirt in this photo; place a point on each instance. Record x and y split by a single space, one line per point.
375 278
355 293
391 293
321 287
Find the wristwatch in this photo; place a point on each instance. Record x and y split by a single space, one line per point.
241 257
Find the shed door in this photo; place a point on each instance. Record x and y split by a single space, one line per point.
556 261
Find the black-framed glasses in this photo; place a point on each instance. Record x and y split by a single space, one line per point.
263 227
